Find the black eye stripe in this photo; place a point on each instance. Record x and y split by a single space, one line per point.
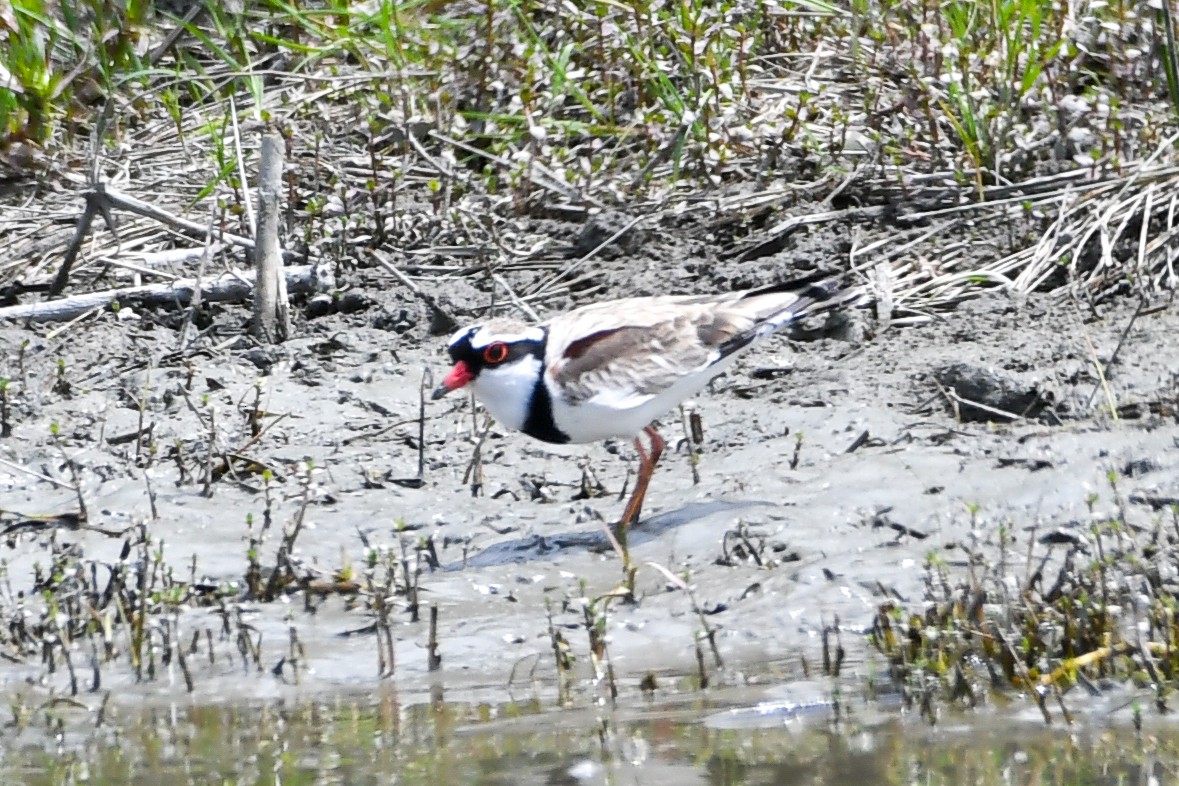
460 348
477 359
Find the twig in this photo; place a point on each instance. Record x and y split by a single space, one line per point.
709 630
956 400
433 657
563 274
37 475
241 167
95 203
773 236
426 385
516 301
77 487
1102 381
188 329
441 168
51 335
693 438
1114 355
474 472
100 198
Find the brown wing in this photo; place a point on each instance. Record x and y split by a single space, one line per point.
638 347
667 341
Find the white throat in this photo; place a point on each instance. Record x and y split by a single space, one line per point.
507 390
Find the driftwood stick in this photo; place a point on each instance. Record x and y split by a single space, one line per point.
146 262
105 197
272 319
95 203
231 287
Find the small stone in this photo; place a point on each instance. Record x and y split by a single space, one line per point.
320 305
988 395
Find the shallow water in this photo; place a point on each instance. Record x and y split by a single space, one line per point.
673 741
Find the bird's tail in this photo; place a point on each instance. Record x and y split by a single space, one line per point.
783 304
798 302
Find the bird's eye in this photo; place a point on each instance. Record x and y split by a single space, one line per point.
496 353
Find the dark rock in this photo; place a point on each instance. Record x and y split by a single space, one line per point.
985 394
1139 467
395 320
320 306
351 302
607 226
263 357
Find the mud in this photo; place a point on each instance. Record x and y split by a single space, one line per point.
830 468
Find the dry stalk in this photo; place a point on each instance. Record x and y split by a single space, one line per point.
433 656
562 655
283 572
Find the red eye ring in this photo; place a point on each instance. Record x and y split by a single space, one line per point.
495 353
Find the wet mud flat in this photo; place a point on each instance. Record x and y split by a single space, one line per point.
296 518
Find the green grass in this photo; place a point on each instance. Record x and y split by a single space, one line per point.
688 88
61 58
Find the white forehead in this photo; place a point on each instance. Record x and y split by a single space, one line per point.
507 332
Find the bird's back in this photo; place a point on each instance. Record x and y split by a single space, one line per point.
617 365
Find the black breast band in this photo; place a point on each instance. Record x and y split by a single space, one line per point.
540 424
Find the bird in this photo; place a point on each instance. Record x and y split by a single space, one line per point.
610 369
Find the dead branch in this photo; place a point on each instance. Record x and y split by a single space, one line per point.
100 198
229 288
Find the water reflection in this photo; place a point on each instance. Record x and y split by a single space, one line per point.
359 741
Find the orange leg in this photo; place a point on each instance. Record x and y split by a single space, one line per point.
630 516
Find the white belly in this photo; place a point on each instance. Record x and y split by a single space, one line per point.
616 414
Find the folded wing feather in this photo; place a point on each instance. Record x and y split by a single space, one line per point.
638 353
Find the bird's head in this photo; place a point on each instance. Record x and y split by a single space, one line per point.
502 361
